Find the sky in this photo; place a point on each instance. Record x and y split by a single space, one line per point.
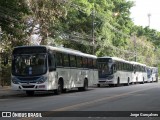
139 13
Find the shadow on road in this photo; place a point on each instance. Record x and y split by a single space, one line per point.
22 94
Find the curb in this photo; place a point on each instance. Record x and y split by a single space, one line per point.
5 88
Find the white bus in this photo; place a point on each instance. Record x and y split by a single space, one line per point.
140 73
154 74
38 68
114 71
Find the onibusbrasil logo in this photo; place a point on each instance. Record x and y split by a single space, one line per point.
21 114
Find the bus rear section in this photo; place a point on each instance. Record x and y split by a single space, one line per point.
140 73
154 74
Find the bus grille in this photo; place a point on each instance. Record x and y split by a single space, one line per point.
28 78
102 81
28 82
30 86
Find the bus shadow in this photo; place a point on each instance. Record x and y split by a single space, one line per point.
41 94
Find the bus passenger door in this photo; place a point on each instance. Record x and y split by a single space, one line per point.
52 71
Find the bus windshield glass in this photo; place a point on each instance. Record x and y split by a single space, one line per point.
104 68
29 64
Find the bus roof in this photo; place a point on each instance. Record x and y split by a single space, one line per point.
115 58
61 49
137 63
71 51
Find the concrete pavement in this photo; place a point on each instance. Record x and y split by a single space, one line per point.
6 91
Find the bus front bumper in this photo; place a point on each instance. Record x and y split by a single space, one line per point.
24 87
105 82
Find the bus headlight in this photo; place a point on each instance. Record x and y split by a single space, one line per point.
42 80
15 80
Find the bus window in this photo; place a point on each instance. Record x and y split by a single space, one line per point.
113 68
94 64
72 61
33 64
51 61
79 62
85 63
104 69
59 59
65 60
90 63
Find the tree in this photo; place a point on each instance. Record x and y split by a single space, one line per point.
12 20
45 17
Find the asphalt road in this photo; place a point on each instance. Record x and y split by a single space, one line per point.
96 103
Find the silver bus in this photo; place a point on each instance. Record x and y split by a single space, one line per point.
114 71
45 68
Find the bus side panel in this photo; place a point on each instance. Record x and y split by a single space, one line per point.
72 78
85 74
116 75
134 75
140 77
64 73
95 77
90 77
123 77
145 76
79 78
52 80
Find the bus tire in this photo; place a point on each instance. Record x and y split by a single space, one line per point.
98 85
58 91
85 86
64 90
118 82
136 80
128 82
111 85
142 81
30 93
152 80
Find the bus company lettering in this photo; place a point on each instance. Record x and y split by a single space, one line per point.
14 114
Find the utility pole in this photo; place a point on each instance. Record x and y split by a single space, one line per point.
149 16
133 38
135 48
93 40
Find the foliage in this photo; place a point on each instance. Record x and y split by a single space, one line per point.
101 27
12 20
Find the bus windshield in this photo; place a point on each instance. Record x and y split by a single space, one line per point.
105 69
29 64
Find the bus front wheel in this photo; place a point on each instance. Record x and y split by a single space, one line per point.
59 89
128 82
118 82
85 86
98 85
111 85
